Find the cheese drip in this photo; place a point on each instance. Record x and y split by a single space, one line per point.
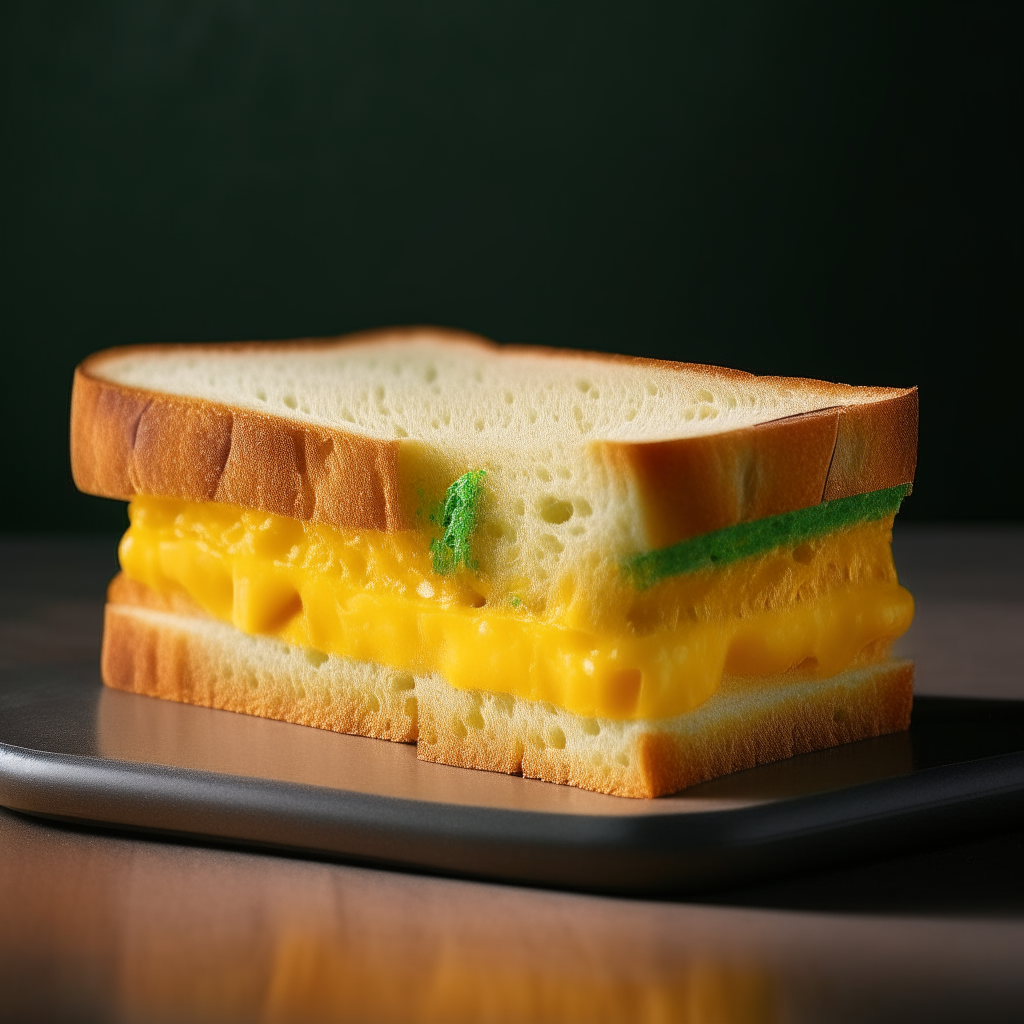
601 650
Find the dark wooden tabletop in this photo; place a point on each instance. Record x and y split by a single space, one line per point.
98 925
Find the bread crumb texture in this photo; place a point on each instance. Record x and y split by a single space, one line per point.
422 388
162 652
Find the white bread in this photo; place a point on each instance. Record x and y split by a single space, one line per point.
166 647
586 455
743 724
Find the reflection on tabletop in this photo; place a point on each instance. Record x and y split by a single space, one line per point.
116 927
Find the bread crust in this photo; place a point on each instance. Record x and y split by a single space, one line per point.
129 441
873 447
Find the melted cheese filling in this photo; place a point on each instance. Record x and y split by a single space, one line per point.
604 650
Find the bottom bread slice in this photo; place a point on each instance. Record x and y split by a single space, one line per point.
151 646
743 724
198 660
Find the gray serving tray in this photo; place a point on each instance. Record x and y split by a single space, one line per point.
74 750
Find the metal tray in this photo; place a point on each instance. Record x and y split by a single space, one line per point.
74 750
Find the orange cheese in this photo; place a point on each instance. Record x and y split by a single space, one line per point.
374 596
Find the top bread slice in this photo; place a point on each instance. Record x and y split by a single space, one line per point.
582 452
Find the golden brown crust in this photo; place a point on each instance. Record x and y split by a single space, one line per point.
698 484
876 447
695 485
160 656
129 441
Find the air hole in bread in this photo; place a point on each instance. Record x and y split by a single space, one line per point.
555 511
291 401
458 727
591 726
402 681
556 738
261 394
474 719
372 704
315 658
504 702
584 425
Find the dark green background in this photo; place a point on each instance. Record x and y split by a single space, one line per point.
818 189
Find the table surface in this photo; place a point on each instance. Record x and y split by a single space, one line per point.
106 926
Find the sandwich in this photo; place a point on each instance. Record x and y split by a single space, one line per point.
621 574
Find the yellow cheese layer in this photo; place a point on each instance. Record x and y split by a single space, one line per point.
374 596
